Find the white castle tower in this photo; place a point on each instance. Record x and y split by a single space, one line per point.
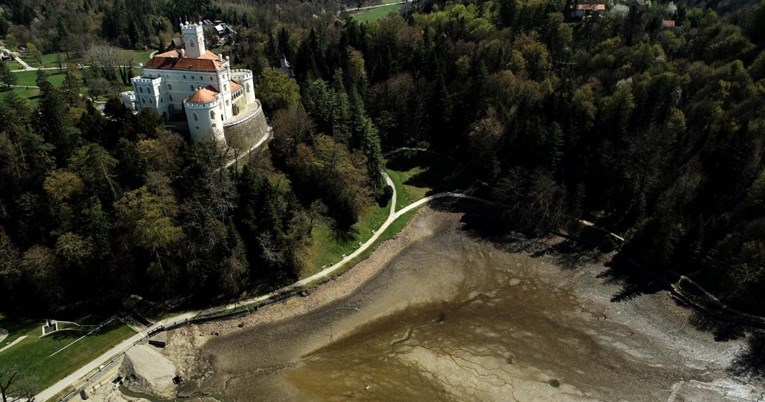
193 39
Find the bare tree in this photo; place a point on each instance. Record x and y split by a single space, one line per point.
108 61
12 380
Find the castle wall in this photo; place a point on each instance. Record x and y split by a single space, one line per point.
244 135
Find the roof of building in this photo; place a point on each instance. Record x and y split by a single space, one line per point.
172 60
668 23
203 95
235 85
591 6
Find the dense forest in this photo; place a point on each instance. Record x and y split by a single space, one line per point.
654 132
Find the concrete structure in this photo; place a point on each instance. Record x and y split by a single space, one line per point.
146 370
195 86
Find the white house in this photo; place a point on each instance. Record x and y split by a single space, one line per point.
195 85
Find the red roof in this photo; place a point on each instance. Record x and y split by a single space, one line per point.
235 85
204 95
172 60
668 23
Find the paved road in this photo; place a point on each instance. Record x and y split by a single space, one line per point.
12 344
353 10
94 365
24 64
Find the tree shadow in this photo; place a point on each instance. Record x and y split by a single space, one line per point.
438 172
568 251
722 330
481 222
343 233
750 365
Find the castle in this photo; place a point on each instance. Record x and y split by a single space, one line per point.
195 86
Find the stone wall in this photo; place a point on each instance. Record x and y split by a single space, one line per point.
244 135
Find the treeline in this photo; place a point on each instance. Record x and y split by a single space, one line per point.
73 26
653 132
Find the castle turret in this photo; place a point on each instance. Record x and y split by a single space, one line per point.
193 39
204 115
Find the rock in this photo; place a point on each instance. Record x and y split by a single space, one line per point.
147 371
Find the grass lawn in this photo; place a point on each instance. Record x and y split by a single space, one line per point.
13 65
328 246
30 94
26 78
375 14
29 78
140 56
417 174
33 353
55 77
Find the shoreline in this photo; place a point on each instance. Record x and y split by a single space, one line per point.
207 354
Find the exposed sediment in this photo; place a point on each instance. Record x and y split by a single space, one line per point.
436 314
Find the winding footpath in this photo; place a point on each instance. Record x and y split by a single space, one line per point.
108 357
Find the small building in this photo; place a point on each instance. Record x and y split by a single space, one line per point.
668 23
580 11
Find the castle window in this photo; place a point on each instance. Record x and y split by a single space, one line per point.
140 89
248 87
191 43
171 97
195 117
184 77
192 87
211 79
225 87
170 86
212 114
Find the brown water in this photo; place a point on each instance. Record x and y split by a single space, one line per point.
451 317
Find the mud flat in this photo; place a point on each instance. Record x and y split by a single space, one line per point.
438 314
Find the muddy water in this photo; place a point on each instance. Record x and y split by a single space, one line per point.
450 317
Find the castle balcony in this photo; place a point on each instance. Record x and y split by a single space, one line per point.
236 91
244 114
240 74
